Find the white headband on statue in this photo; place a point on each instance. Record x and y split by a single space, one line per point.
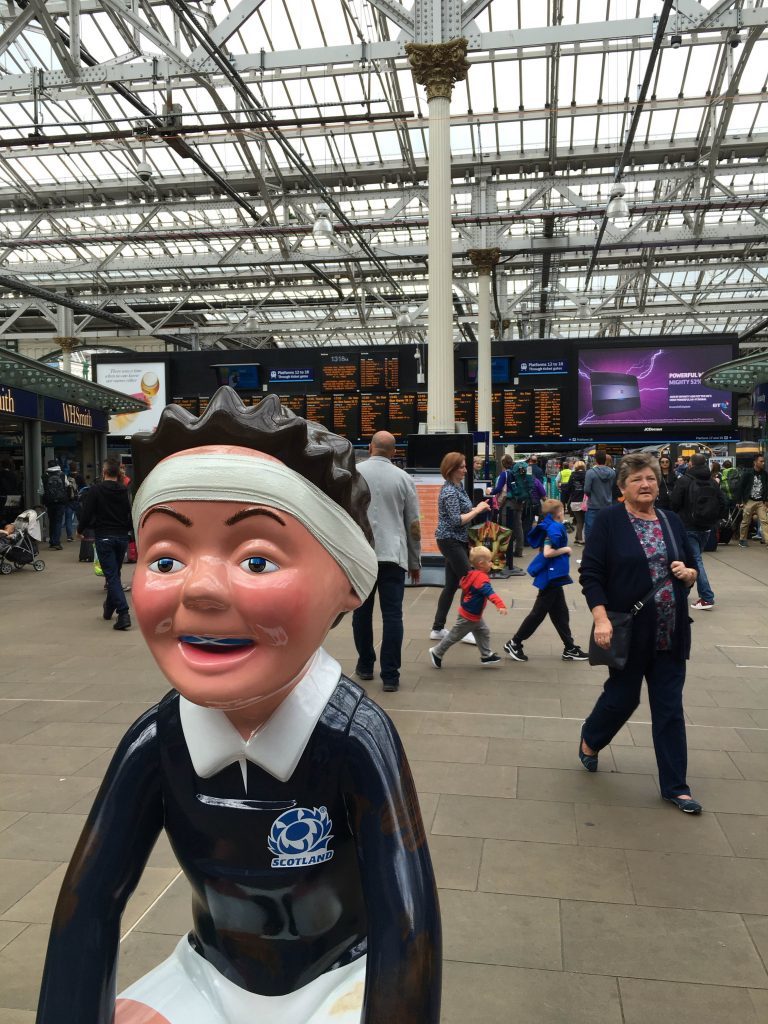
231 477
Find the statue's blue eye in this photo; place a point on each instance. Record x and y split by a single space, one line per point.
165 565
257 564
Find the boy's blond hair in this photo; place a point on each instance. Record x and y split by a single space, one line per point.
551 505
479 554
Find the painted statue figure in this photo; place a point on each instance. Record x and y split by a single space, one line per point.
283 789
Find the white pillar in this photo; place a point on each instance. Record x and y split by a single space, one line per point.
438 66
66 342
440 383
484 260
484 417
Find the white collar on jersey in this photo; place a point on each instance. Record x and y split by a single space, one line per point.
214 743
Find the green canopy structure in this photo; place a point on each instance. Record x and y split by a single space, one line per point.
739 374
17 371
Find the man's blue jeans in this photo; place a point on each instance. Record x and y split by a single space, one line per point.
698 541
589 518
390 584
69 519
112 552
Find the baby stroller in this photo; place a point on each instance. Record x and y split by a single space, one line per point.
19 547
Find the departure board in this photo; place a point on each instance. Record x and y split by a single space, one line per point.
346 416
296 403
320 409
338 372
464 408
203 403
518 414
379 372
402 413
497 412
190 403
547 412
373 415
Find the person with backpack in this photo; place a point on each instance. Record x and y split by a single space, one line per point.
729 482
55 499
510 511
573 494
701 505
73 481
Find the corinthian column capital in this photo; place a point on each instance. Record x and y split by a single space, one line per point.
437 66
484 260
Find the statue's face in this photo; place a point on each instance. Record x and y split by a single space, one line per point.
233 598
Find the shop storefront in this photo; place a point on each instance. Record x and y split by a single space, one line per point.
46 414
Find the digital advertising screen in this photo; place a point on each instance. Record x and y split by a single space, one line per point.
143 380
240 376
500 369
656 386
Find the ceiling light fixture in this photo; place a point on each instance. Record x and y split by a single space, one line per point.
617 208
322 229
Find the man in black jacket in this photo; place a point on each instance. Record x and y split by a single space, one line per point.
107 511
753 498
701 505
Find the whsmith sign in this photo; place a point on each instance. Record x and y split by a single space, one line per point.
15 402
77 416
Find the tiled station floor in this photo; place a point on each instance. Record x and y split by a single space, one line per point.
566 897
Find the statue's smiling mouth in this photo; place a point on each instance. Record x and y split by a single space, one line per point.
218 645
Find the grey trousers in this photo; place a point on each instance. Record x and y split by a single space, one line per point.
460 629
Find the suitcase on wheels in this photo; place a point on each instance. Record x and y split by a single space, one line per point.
86 551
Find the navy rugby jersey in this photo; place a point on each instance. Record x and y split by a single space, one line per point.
289 879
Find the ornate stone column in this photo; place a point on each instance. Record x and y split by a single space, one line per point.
437 66
67 346
484 260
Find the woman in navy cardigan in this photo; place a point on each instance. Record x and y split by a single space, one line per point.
632 547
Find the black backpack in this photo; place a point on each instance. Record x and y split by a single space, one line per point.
703 503
54 489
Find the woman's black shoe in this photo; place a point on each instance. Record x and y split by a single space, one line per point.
689 806
588 760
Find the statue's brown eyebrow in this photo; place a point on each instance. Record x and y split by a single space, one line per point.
246 512
168 511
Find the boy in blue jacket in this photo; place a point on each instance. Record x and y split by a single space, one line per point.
550 571
476 592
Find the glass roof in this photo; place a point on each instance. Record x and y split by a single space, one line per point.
162 165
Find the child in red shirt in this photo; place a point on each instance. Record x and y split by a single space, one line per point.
476 592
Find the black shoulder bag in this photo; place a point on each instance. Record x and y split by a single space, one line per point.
616 654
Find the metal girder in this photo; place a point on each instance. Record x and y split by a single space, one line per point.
471 10
715 236
571 38
657 152
225 29
16 27
397 13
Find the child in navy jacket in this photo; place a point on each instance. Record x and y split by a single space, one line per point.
476 592
550 571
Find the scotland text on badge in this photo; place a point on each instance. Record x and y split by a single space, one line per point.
300 837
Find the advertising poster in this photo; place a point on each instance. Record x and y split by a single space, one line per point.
652 387
139 380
